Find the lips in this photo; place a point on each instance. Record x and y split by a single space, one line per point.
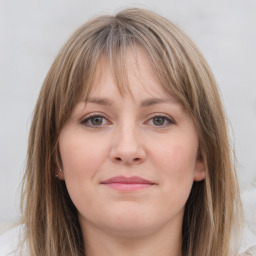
123 183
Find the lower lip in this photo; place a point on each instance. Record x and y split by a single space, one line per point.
129 186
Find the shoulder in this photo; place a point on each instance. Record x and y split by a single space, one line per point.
249 252
10 241
248 243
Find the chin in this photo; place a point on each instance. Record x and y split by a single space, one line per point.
132 223
131 230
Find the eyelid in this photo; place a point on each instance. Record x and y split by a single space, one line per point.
167 117
91 115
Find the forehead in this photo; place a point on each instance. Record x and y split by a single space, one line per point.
135 78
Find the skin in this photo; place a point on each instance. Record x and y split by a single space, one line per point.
127 139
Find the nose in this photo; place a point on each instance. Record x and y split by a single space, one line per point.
127 147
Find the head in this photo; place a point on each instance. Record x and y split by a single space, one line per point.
182 74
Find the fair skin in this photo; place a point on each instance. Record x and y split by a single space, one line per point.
146 134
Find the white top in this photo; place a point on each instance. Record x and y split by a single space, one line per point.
9 243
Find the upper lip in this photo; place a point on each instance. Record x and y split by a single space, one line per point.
127 180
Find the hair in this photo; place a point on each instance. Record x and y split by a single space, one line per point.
213 207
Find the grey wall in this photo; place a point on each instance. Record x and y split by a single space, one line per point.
32 32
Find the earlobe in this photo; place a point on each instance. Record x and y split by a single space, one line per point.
60 174
199 176
200 170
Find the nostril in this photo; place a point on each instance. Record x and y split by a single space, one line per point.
119 159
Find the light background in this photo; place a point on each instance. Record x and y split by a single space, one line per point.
32 32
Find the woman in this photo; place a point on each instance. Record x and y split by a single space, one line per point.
128 150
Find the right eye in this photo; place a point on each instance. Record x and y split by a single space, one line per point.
95 121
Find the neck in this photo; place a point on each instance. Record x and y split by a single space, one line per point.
161 243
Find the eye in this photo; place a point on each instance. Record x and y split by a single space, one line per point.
161 121
95 120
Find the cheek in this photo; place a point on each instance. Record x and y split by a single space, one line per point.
176 158
176 163
80 155
81 159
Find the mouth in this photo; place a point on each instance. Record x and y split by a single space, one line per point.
123 183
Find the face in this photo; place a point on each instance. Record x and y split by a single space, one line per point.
129 161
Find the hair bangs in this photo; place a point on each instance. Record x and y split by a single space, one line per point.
112 41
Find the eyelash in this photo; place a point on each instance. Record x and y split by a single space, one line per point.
90 117
167 120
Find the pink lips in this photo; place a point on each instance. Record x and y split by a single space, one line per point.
123 183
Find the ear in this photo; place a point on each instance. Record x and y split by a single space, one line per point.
200 169
59 173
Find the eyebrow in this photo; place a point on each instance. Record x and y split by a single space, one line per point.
154 101
100 101
145 103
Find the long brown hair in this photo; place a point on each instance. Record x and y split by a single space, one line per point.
213 207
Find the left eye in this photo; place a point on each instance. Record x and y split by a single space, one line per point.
94 121
161 121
